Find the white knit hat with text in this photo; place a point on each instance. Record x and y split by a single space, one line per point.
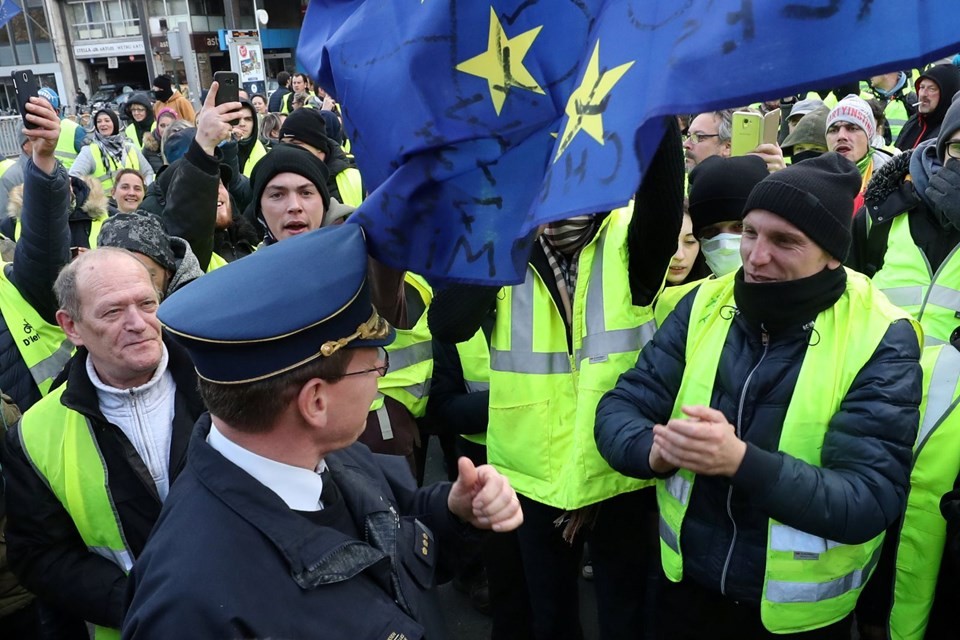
855 110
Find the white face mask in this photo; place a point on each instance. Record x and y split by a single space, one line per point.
722 253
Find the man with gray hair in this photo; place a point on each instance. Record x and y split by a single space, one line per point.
88 468
708 135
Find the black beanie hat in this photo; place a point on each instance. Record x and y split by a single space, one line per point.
287 158
306 125
816 196
719 188
163 82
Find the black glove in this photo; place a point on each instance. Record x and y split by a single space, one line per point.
943 192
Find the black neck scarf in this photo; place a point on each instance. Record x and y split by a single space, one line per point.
778 306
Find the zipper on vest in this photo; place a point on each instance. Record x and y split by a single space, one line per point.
765 341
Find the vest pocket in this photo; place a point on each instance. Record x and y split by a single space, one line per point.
519 439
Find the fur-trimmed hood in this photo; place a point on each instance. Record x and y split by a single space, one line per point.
88 200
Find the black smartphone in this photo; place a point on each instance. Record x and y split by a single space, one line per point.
229 90
25 84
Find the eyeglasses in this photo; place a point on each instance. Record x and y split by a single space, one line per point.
697 138
138 109
382 370
953 149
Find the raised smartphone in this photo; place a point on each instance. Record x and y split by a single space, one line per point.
229 89
26 87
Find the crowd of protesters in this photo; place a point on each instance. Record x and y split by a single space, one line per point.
730 403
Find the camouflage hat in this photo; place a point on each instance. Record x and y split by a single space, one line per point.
139 232
810 130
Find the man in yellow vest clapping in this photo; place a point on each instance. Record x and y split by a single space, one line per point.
777 408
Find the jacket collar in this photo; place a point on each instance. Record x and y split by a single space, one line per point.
81 396
315 555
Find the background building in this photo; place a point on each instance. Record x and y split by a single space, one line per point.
101 43
26 41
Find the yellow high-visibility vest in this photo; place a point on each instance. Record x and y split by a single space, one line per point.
106 177
63 449
44 347
906 278
936 464
809 582
543 399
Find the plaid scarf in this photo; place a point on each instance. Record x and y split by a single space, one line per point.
562 242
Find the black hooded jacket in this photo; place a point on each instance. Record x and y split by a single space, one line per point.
246 145
141 128
922 127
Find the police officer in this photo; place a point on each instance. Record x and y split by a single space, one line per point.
328 540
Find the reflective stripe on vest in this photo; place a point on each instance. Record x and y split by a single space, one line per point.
542 400
63 449
411 358
43 346
923 532
95 225
132 161
475 363
906 278
809 581
66 151
383 417
256 154
350 187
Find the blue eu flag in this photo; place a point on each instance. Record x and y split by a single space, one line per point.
8 9
475 122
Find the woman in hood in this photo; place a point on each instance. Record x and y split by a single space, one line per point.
108 152
139 112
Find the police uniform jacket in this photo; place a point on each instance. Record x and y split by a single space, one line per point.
43 249
44 547
868 445
362 580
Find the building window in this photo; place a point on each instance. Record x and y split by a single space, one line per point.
101 19
172 10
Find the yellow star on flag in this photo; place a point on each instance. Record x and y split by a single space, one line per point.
501 65
588 101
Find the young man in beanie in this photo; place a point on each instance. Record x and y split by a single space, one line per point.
909 243
306 128
718 190
850 128
776 407
344 545
290 194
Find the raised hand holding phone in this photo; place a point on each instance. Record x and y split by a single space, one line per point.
215 122
25 85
